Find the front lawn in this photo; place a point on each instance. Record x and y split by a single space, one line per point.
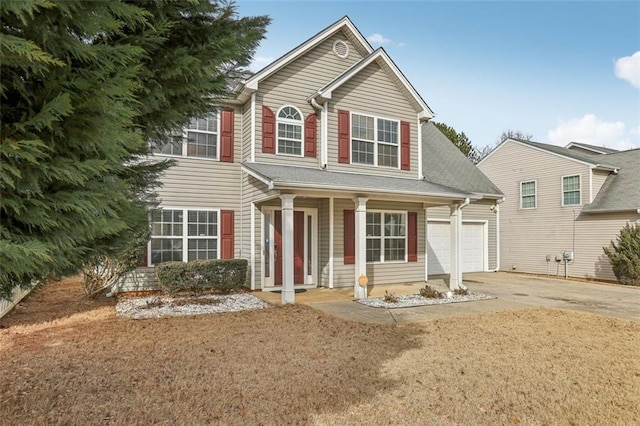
72 361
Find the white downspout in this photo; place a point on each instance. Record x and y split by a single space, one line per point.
466 202
498 202
253 128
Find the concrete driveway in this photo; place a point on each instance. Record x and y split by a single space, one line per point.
512 291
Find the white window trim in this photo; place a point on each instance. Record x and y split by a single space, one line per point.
290 121
535 194
375 140
185 132
185 231
383 238
562 191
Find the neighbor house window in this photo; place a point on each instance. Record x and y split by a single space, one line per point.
199 139
528 195
183 234
289 131
571 190
386 237
374 141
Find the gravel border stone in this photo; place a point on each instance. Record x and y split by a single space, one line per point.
165 306
412 300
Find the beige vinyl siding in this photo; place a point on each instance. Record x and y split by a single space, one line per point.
378 273
597 180
293 84
529 236
593 232
372 92
253 190
245 140
474 212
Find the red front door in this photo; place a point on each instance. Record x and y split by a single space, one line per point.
298 247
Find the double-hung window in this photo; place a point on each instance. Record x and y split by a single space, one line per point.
571 190
199 139
386 237
528 194
184 234
374 141
289 131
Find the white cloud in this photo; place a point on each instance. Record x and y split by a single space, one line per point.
259 62
592 130
378 39
628 68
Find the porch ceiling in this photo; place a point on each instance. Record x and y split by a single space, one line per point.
293 178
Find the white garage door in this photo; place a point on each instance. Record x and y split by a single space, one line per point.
438 250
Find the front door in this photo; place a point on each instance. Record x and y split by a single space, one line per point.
298 247
304 247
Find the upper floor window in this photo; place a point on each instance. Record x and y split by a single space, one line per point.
571 190
386 237
289 131
374 141
200 139
528 195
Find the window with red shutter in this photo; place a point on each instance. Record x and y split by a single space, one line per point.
412 231
405 145
227 234
310 135
344 136
268 131
226 136
349 237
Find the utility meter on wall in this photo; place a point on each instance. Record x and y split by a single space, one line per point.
568 256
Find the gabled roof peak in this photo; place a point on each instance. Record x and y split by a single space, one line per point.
343 24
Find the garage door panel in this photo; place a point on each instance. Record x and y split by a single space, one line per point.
439 251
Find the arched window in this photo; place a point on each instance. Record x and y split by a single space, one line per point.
289 137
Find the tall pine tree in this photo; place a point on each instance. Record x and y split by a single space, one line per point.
85 85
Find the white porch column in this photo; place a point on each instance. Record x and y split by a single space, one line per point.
288 294
359 291
455 272
330 242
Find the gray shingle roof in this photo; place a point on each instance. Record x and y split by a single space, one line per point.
444 164
307 177
599 148
595 159
621 191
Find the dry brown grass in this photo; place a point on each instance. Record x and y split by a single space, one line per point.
71 361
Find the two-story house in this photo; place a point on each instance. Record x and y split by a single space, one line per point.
321 169
573 199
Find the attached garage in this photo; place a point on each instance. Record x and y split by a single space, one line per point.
474 247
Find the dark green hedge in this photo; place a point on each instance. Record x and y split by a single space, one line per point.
198 275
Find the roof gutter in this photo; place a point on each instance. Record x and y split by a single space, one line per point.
293 185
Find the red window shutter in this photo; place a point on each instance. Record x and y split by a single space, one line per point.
344 136
226 136
310 135
145 256
349 237
412 219
227 234
405 145
268 131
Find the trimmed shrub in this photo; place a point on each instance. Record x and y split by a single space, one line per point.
172 277
199 275
624 255
430 292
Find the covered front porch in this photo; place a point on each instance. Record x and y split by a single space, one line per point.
342 239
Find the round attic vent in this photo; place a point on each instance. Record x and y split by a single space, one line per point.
341 49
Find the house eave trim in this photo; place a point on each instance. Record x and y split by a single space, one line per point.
262 178
295 186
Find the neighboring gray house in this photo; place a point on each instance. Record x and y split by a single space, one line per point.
323 168
559 199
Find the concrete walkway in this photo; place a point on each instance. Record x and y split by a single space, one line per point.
513 291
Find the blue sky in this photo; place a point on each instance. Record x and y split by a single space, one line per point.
562 71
